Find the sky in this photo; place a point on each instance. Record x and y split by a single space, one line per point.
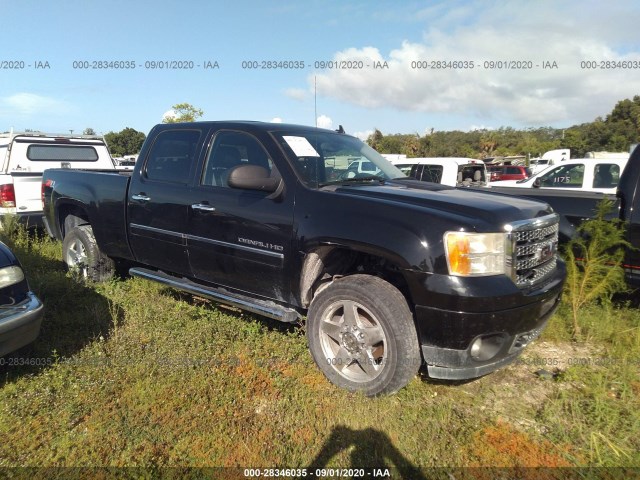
400 67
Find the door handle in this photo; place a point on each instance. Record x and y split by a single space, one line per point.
205 207
140 197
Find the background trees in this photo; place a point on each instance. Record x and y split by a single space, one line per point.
183 112
126 142
615 133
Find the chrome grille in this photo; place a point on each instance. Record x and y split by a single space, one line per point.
534 247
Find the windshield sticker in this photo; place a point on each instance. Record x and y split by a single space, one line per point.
301 146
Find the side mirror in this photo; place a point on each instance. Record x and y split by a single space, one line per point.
536 183
252 177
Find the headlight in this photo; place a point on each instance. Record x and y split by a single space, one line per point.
475 254
10 276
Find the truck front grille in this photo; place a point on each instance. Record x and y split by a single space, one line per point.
534 249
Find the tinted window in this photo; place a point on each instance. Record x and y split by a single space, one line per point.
172 155
57 153
606 176
428 173
570 176
471 173
229 150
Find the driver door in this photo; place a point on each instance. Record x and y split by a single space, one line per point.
239 238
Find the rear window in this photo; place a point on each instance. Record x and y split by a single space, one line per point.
427 173
368 167
172 155
58 153
472 173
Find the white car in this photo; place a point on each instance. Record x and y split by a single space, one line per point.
26 155
586 174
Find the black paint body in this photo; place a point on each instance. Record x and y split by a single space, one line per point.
257 245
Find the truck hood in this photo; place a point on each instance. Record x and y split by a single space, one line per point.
476 205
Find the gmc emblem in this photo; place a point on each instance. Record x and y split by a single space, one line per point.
545 252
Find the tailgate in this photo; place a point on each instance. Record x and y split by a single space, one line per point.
27 186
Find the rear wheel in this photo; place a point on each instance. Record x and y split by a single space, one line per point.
362 336
83 257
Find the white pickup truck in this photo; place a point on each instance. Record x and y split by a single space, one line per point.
586 174
25 155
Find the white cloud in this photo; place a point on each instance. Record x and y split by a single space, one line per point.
324 122
363 135
28 104
276 120
296 93
521 35
169 114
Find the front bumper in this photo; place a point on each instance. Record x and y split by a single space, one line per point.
20 324
458 345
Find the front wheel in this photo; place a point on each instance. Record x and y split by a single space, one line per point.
83 257
362 336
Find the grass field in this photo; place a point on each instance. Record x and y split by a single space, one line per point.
129 373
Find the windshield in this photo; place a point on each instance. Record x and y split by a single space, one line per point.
324 158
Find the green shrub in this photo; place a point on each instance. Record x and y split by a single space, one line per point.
594 263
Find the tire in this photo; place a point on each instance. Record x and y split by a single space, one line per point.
82 256
375 350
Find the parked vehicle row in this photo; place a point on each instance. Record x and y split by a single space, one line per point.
391 272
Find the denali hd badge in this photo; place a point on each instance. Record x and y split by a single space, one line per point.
259 244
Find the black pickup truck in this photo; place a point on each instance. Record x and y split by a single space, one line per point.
574 207
390 272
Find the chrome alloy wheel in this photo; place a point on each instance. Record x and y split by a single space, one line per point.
77 258
353 341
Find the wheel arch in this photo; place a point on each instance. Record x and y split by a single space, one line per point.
70 214
325 262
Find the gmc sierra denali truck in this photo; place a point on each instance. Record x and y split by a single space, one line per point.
390 272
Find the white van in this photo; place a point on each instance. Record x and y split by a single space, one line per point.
452 171
25 155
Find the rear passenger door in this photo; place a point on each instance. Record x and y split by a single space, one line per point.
158 202
239 238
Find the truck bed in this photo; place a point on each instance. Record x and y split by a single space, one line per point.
83 187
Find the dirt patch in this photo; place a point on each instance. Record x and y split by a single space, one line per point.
514 394
501 445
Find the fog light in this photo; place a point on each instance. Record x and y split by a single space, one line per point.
486 347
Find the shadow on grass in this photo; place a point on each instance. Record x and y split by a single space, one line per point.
270 323
369 448
74 315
